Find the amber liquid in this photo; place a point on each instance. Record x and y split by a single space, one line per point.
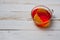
42 13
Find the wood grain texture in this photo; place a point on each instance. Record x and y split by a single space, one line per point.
30 35
10 11
18 10
16 22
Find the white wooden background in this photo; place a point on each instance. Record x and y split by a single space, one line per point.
16 22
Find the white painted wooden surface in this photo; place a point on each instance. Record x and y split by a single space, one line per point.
16 22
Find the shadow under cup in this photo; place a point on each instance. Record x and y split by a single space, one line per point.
41 16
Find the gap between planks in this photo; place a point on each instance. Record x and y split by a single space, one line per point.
29 30
22 19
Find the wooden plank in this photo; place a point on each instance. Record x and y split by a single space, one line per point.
19 10
20 7
30 35
21 15
25 25
29 1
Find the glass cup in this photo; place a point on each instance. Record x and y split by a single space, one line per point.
41 16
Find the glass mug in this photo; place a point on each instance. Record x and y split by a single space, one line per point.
41 16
